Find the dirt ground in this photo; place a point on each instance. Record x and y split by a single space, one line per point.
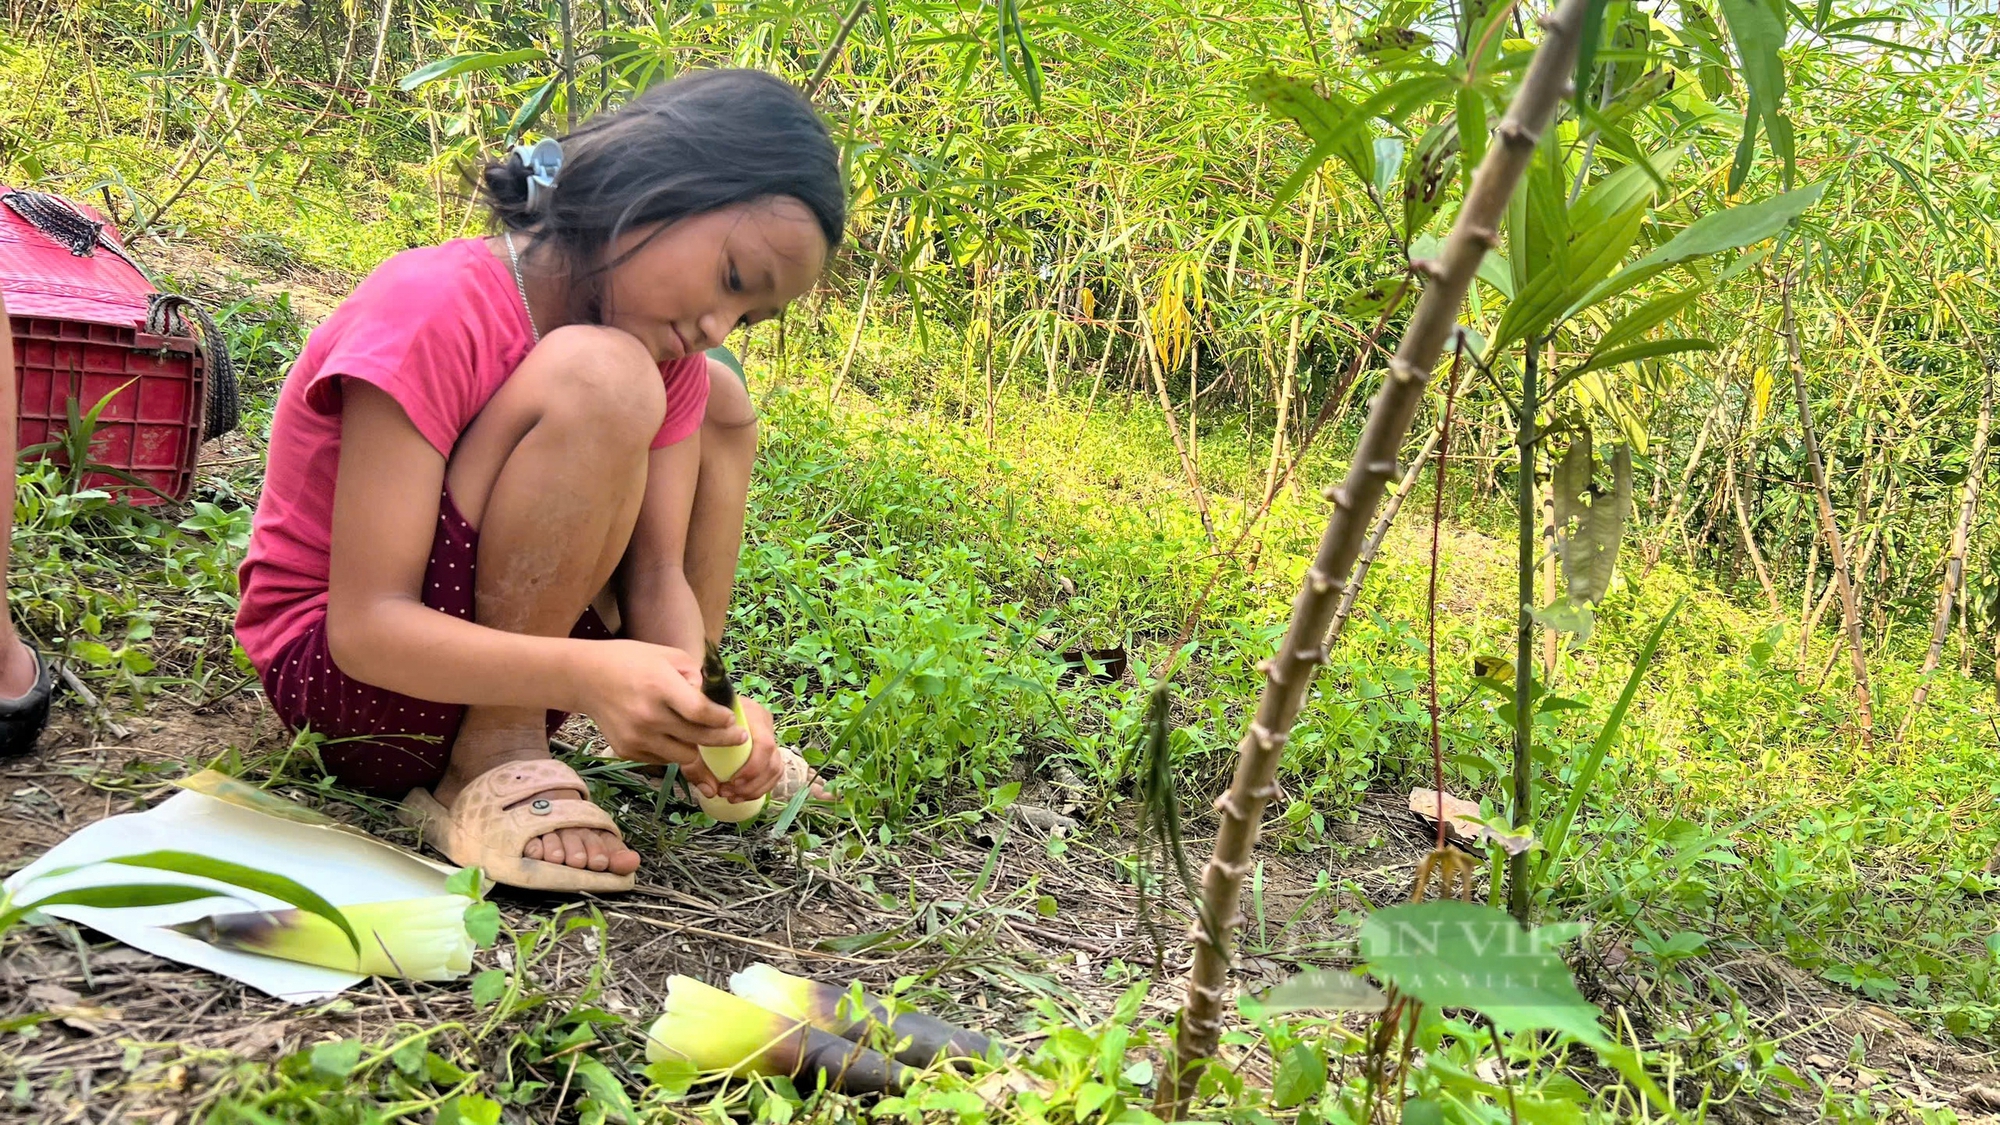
134 1036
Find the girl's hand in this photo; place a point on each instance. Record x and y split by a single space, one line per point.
765 767
645 699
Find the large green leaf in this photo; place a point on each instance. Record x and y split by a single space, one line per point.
1698 29
1494 270
1598 249
1453 954
1549 292
1588 42
1471 117
1388 162
1339 127
607 1094
1647 316
1713 233
1538 217
1300 1077
285 890
1616 193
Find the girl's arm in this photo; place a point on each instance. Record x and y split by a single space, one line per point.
657 603
384 519
728 451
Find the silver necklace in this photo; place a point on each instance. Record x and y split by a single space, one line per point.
521 285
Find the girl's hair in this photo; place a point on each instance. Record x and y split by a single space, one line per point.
705 140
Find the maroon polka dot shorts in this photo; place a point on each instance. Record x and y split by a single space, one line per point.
376 739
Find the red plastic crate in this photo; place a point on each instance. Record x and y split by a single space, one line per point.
79 328
150 429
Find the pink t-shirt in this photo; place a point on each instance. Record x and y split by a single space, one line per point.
438 329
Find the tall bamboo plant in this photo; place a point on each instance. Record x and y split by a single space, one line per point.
1290 670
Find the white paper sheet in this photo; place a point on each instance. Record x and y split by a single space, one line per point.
344 867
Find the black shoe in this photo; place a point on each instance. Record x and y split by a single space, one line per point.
22 719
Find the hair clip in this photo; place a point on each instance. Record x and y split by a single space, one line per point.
543 160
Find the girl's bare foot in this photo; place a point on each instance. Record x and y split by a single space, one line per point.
476 752
17 668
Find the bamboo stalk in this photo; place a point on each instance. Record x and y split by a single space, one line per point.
1828 526
1524 630
1749 539
1961 538
833 49
1287 386
1152 349
861 314
1289 671
1379 534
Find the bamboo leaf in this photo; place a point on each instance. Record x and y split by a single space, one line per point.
1746 149
285 890
1645 349
1494 270
1391 43
1645 317
1758 27
1330 121
1366 302
114 896
1427 175
1388 162
472 62
1619 191
531 109
1557 836
1590 39
1713 233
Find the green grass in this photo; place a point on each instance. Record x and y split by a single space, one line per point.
1860 867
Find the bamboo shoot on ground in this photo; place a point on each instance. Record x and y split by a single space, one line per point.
717 1033
918 1039
420 939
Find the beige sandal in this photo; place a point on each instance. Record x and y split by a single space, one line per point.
798 775
489 824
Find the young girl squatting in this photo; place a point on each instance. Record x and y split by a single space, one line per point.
492 498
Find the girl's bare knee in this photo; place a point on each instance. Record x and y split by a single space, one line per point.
729 404
600 378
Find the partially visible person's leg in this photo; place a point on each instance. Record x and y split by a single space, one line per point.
551 474
24 686
728 450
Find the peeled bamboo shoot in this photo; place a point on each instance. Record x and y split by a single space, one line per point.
419 938
723 762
